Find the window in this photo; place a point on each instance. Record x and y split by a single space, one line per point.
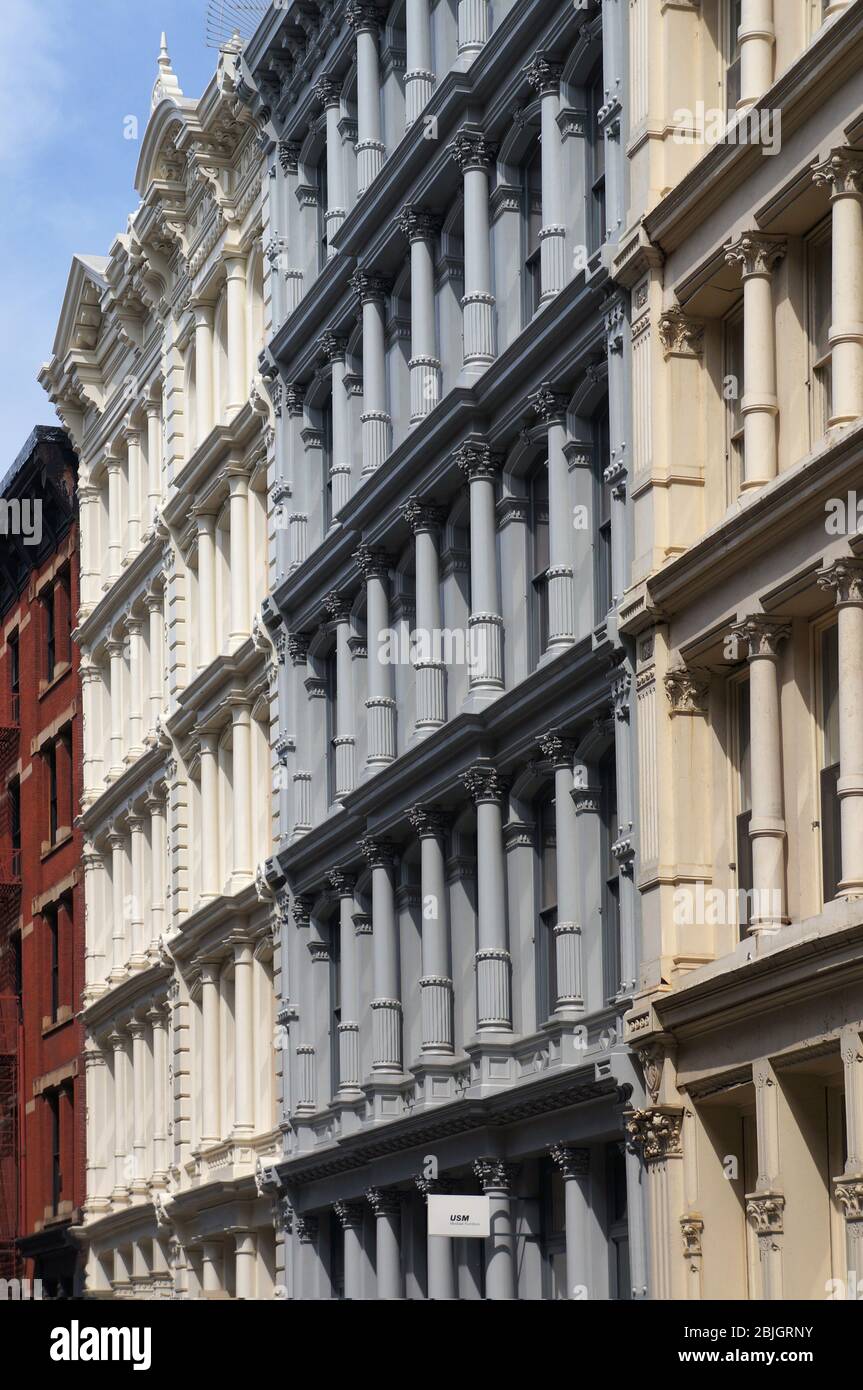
51 763
53 1099
51 918
50 634
327 462
321 180
733 10
553 1239
335 1004
611 878
546 961
620 1284
331 673
831 841
820 256
596 207
531 225
15 677
602 458
539 557
14 794
744 802
732 389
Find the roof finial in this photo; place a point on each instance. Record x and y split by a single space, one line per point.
166 81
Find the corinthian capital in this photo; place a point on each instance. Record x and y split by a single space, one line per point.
495 1174
370 285
687 693
373 561
549 405
558 750
476 460
755 253
543 74
844 578
483 783
342 883
680 336
572 1162
378 851
423 516
362 14
763 635
328 91
418 223
655 1134
426 821
471 150
841 173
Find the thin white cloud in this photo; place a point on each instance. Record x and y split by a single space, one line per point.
34 78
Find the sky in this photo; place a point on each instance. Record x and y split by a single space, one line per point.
74 72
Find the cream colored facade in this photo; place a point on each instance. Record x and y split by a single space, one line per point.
154 375
745 606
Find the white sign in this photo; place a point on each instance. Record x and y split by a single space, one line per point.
459 1216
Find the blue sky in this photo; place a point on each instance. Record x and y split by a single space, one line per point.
74 71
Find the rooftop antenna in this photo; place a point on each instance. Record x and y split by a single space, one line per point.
228 20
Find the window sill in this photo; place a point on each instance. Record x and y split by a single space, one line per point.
49 847
53 1025
60 670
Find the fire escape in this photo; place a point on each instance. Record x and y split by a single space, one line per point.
10 999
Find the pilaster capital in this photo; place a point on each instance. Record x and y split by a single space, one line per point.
680 335
384 1201
289 156
370 285
620 688
756 253
548 405
655 1133
849 1193
423 515
328 91
379 852
687 691
428 821
373 562
294 398
476 460
763 635
301 909
471 150
559 750
341 882
572 1162
841 173
298 647
844 578
484 784
418 223
765 1212
544 74
495 1175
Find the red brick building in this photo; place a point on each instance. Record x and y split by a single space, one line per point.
42 1176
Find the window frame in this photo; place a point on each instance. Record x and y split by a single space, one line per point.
819 369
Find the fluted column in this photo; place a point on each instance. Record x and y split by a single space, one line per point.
338 607
473 28
328 93
95 963
757 38
386 1205
386 1004
138 1033
113 468
350 1217
238 374
120 1193
574 1164
154 459
474 155
436 987
114 649
497 1179
374 564
135 633
211 868
485 624
842 175
493 961
206 524
241 733
756 255
154 604
425 521
204 418
844 578
333 349
211 1086
365 19
421 226
419 74
238 483
372 290
439 1249
138 958
550 407
244 1034
567 930
158 1020
117 842
133 443
158 855
767 825
544 76
343 885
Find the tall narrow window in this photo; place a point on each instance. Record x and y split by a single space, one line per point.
553 1229
532 222
733 9
618 1226
14 794
51 918
546 963
539 558
322 210
596 209
831 840
744 804
15 677
820 312
53 1099
602 458
610 878
51 762
332 687
335 1004
732 390
50 634
327 461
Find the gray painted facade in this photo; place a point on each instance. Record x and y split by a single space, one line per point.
454 752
